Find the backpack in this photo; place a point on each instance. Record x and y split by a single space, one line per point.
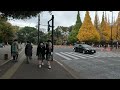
14 47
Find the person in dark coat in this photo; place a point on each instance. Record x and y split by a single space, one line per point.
41 53
14 50
28 51
49 51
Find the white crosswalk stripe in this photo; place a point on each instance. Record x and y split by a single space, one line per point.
69 55
75 55
63 56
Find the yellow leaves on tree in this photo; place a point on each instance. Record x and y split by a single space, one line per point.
87 31
105 30
117 28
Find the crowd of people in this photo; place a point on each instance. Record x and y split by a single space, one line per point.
44 52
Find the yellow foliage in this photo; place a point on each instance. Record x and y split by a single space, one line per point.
87 31
106 31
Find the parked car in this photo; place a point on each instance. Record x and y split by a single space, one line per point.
84 48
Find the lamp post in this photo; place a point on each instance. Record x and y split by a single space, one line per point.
111 31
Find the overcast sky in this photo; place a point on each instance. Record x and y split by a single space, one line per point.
62 18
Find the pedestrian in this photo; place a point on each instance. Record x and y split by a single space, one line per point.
49 53
40 53
14 50
28 51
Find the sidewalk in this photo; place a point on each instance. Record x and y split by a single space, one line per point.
6 50
21 70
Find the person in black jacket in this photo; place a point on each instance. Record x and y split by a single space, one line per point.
28 51
49 51
41 53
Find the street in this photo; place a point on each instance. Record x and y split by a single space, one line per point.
67 64
102 65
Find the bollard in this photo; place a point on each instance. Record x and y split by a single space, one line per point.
5 56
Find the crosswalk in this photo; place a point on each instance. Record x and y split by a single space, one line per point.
75 55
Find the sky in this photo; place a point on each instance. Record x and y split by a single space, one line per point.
61 18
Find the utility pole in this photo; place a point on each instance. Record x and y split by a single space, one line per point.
38 27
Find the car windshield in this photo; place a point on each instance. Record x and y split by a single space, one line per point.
86 46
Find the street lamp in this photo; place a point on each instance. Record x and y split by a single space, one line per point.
111 31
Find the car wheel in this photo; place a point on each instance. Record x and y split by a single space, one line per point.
83 52
74 49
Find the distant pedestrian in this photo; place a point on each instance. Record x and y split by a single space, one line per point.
49 51
14 50
28 51
41 53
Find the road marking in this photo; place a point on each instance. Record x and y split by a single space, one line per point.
13 69
85 55
69 55
63 56
75 55
72 73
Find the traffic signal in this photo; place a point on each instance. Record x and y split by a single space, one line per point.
48 27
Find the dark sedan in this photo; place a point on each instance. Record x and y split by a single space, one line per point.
84 48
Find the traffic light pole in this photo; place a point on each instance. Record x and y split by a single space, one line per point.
52 31
52 38
38 27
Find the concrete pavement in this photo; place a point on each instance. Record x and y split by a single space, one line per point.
7 50
21 70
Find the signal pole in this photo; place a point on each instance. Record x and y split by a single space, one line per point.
38 27
52 38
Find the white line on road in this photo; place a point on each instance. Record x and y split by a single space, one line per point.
84 55
75 55
69 55
63 56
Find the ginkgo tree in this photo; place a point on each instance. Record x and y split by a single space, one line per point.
116 28
105 30
87 32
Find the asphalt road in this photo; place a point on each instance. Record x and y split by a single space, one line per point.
102 65
68 64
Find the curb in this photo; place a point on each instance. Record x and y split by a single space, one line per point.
68 69
9 59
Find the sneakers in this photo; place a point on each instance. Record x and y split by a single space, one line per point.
39 66
42 63
49 67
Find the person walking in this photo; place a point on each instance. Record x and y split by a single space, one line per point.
28 51
41 53
14 50
49 53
